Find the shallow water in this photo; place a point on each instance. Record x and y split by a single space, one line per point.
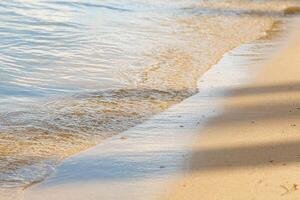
145 160
73 73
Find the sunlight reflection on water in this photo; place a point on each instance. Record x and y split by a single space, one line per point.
76 72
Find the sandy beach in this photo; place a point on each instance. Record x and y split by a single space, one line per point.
242 125
251 151
149 100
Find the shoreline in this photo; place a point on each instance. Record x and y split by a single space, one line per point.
142 152
187 44
251 150
65 126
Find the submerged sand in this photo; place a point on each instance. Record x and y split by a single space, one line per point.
251 150
160 53
246 149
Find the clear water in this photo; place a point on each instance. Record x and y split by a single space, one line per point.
75 72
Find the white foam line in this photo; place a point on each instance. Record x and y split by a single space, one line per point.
140 166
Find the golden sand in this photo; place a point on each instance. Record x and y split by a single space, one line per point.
252 150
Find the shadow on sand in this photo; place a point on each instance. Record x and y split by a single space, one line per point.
127 165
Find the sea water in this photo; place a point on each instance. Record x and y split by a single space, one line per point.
73 73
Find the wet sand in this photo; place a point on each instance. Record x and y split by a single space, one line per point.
97 97
143 162
251 150
174 44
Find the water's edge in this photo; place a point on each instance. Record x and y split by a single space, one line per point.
36 136
153 151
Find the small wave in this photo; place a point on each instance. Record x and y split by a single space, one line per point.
30 140
59 48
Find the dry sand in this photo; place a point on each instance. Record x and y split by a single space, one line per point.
252 150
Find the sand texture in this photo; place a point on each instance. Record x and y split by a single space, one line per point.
244 130
252 150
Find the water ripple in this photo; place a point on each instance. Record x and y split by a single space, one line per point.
75 72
